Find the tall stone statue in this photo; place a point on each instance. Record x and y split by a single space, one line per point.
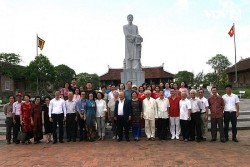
132 70
132 45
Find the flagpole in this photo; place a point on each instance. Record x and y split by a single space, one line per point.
235 59
37 55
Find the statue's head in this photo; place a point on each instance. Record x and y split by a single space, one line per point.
130 18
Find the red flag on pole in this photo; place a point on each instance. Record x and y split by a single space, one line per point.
40 43
231 32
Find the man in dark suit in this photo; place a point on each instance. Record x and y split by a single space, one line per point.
123 114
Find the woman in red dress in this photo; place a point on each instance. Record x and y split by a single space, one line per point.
25 118
156 93
141 97
36 120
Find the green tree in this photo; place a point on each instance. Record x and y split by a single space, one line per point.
186 76
8 65
63 74
210 78
199 78
220 63
41 73
83 78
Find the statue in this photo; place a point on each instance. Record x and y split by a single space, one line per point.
132 45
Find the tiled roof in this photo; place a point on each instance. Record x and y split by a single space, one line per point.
242 65
150 73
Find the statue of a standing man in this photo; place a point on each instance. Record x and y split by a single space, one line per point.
132 45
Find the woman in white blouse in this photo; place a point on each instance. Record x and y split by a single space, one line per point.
101 109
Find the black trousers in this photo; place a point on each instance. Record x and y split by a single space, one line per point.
185 128
57 119
214 123
122 123
16 128
230 116
162 128
82 128
9 126
71 126
195 126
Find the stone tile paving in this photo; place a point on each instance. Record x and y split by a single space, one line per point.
143 153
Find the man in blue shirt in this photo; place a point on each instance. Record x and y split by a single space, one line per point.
127 93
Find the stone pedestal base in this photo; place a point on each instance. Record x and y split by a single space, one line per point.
137 76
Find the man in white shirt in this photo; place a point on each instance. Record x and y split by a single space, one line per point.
149 114
57 114
204 113
195 127
16 117
71 117
122 115
231 112
162 104
185 115
110 95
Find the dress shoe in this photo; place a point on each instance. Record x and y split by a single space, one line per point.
147 139
212 140
235 140
127 140
54 142
223 141
61 141
198 140
152 138
69 140
119 140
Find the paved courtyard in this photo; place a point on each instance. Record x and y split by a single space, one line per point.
142 153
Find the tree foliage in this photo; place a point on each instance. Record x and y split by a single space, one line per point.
199 78
186 76
8 61
83 78
219 63
8 65
210 78
63 74
40 73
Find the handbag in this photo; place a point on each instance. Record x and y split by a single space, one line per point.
21 136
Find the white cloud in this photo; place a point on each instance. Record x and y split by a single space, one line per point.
227 9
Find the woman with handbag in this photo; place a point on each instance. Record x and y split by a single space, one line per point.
25 119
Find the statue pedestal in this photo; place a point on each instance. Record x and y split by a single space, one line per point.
137 76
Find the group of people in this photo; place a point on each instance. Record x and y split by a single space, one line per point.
160 109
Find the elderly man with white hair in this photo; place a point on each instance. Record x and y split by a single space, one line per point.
195 124
149 109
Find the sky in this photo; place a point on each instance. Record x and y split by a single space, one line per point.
87 35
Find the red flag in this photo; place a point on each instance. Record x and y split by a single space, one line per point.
231 32
40 43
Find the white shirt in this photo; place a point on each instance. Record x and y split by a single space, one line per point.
162 107
120 107
196 105
16 108
110 95
70 106
57 107
185 105
204 105
101 108
230 102
149 109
